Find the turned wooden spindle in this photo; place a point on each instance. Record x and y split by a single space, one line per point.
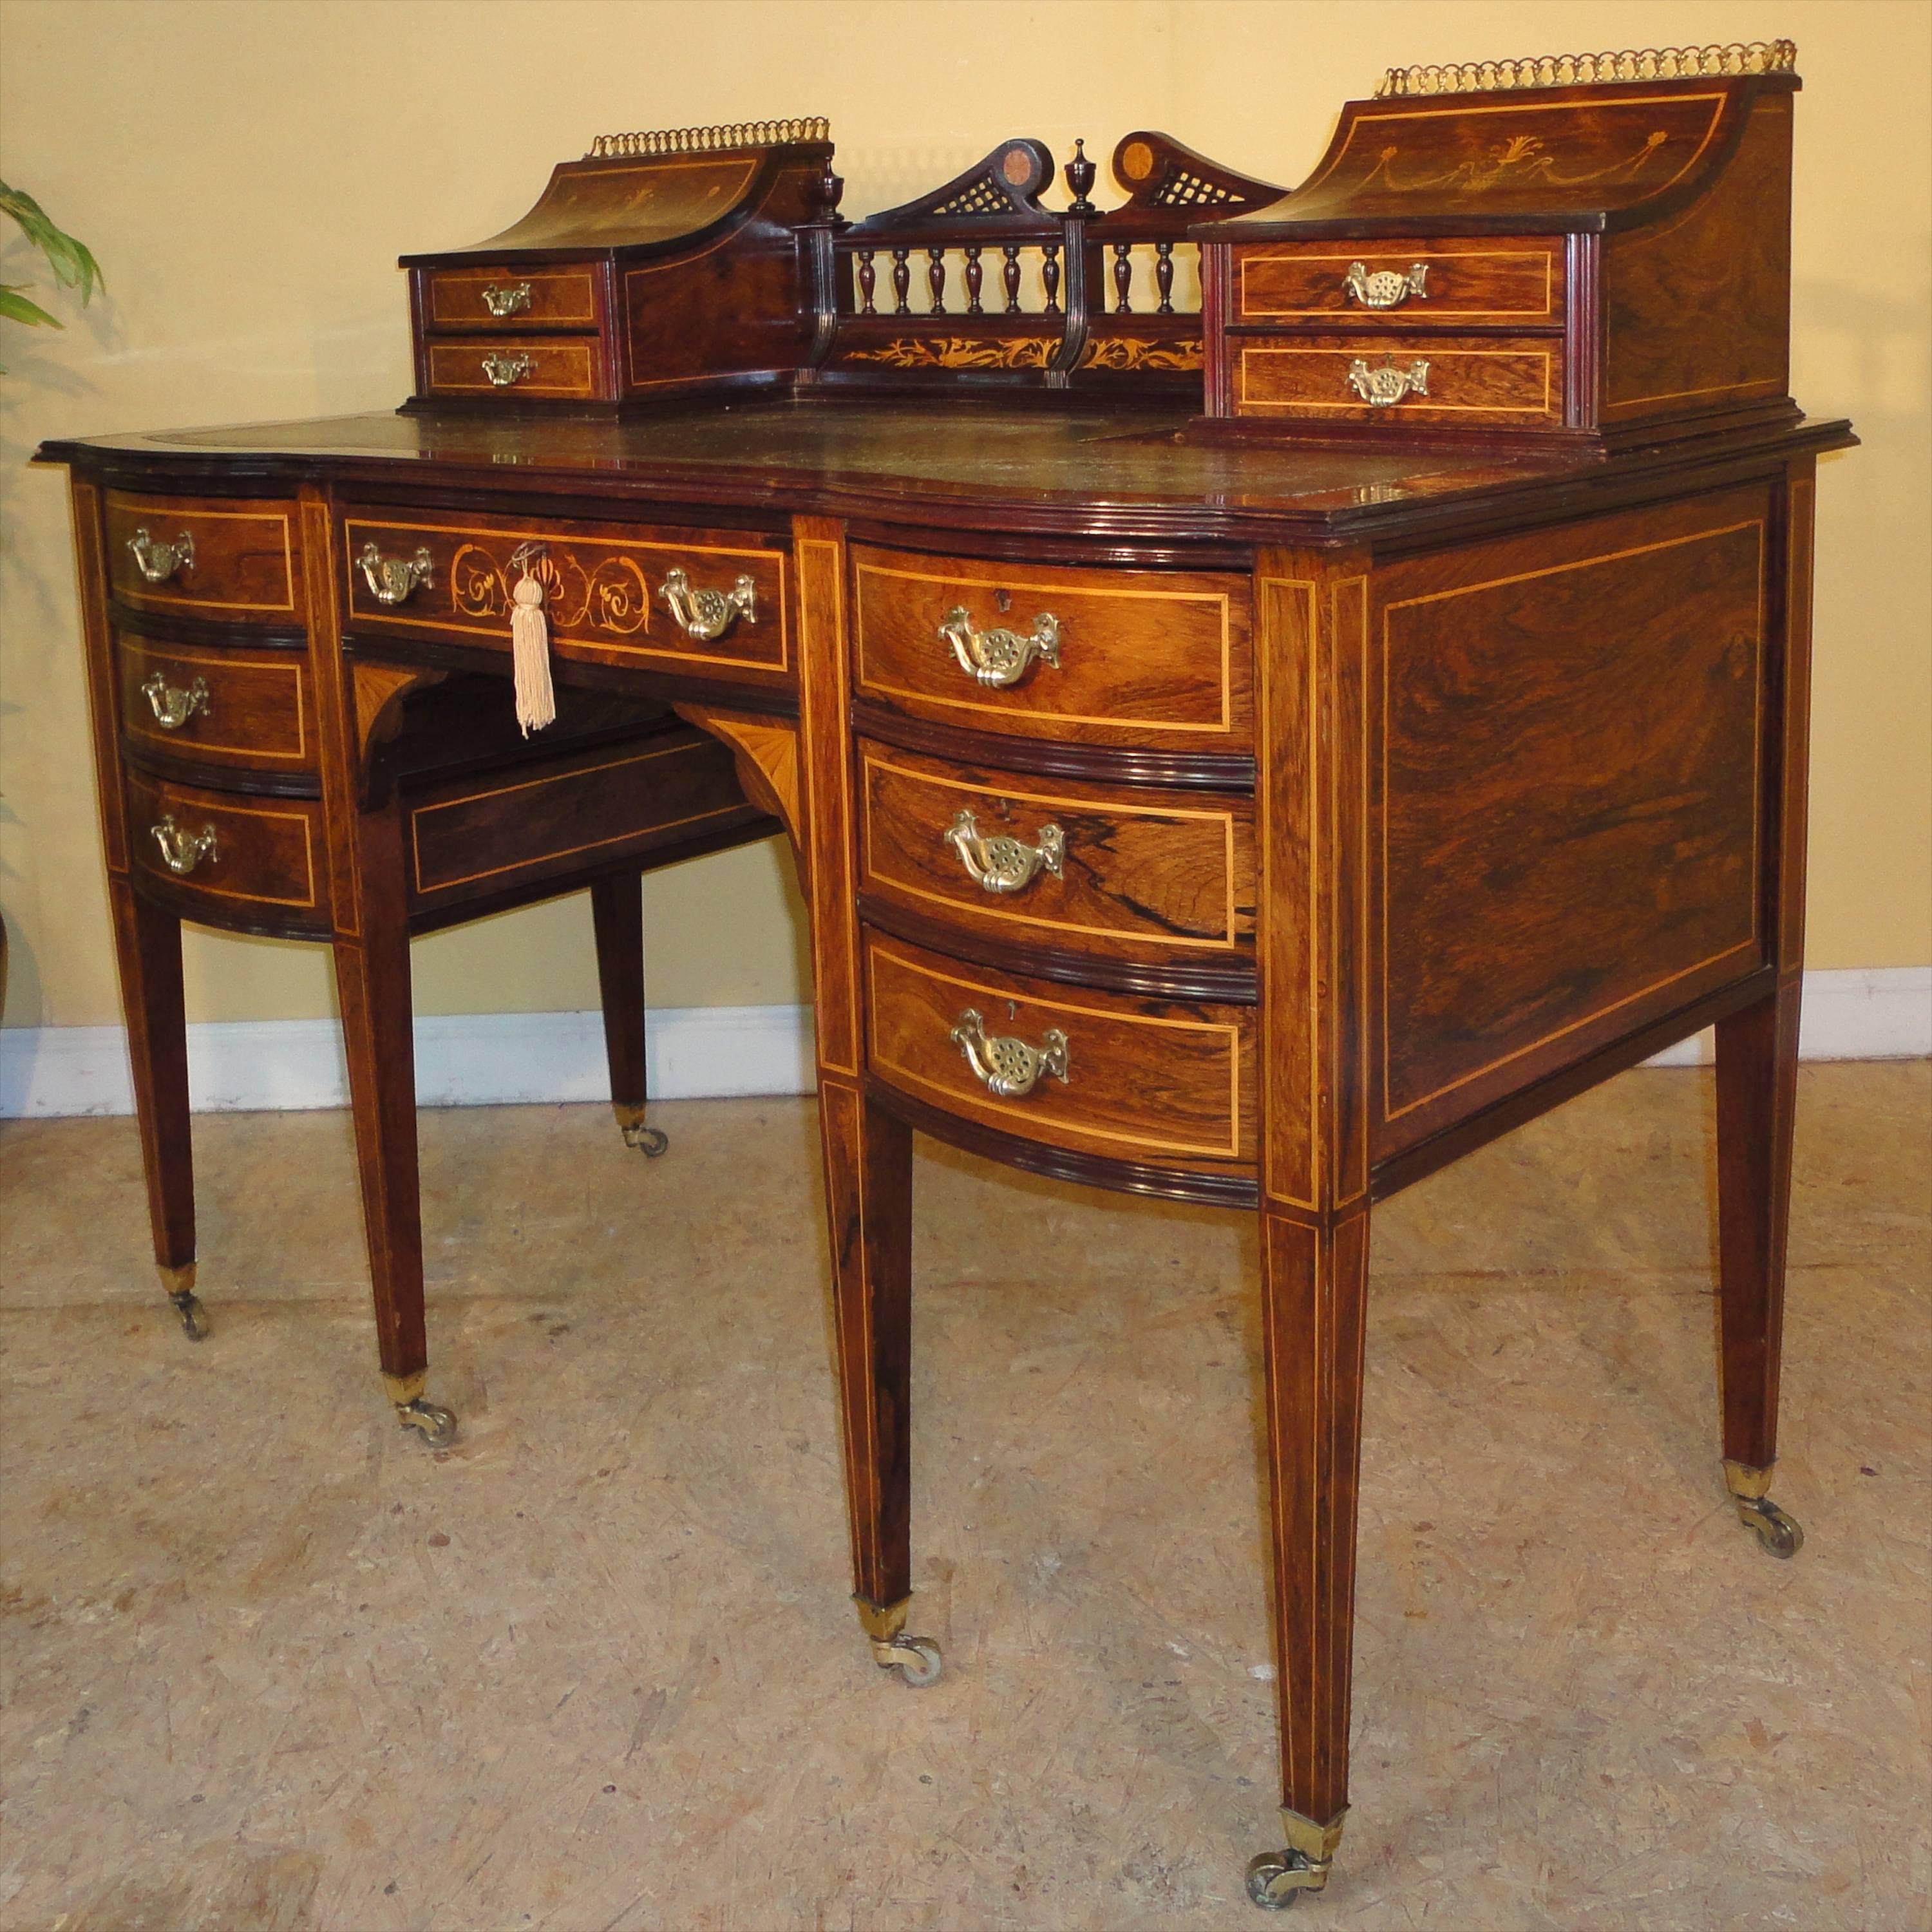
1010 275
901 282
1049 275
975 275
1124 276
868 282
935 279
1163 275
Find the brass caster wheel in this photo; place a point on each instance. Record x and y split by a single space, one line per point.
1276 1880
438 1424
194 1321
917 1659
1777 1529
649 1141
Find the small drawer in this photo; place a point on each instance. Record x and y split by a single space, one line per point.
1139 874
250 709
1111 657
1411 378
235 860
471 838
216 557
1132 1079
613 593
1516 282
512 300
518 366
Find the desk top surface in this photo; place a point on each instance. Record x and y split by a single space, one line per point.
987 465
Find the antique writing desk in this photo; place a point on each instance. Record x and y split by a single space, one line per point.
1185 809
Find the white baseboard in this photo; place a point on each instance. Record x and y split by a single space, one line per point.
475 1059
481 1060
1868 1013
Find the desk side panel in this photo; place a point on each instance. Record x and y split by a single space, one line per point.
1566 793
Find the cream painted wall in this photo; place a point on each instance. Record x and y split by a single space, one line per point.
247 174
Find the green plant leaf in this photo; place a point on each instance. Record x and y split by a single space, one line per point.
15 308
72 261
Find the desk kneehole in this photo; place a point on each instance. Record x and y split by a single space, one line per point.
1109 1075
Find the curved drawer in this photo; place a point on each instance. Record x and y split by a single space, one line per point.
1146 1080
216 557
248 709
1145 657
508 301
1432 379
1140 875
604 587
513 367
252 862
1513 281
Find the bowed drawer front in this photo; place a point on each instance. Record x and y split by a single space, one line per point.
1146 874
1134 1079
249 708
221 557
613 593
1121 657
235 859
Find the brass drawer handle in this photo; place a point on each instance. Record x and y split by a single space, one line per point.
501 302
706 615
174 706
1007 1068
505 370
1384 387
1385 289
182 851
395 579
160 561
1003 865
999 658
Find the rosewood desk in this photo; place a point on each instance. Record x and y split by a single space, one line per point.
1254 825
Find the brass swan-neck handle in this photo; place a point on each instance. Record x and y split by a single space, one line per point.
158 562
1001 864
174 704
706 615
1006 1067
999 658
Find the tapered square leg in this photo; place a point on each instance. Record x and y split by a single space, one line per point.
617 912
372 978
1757 1091
147 950
869 1203
1314 1292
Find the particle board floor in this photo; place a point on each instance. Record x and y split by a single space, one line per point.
269 1664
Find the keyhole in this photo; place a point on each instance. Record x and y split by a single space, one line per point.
1004 599
1013 1010
1005 805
